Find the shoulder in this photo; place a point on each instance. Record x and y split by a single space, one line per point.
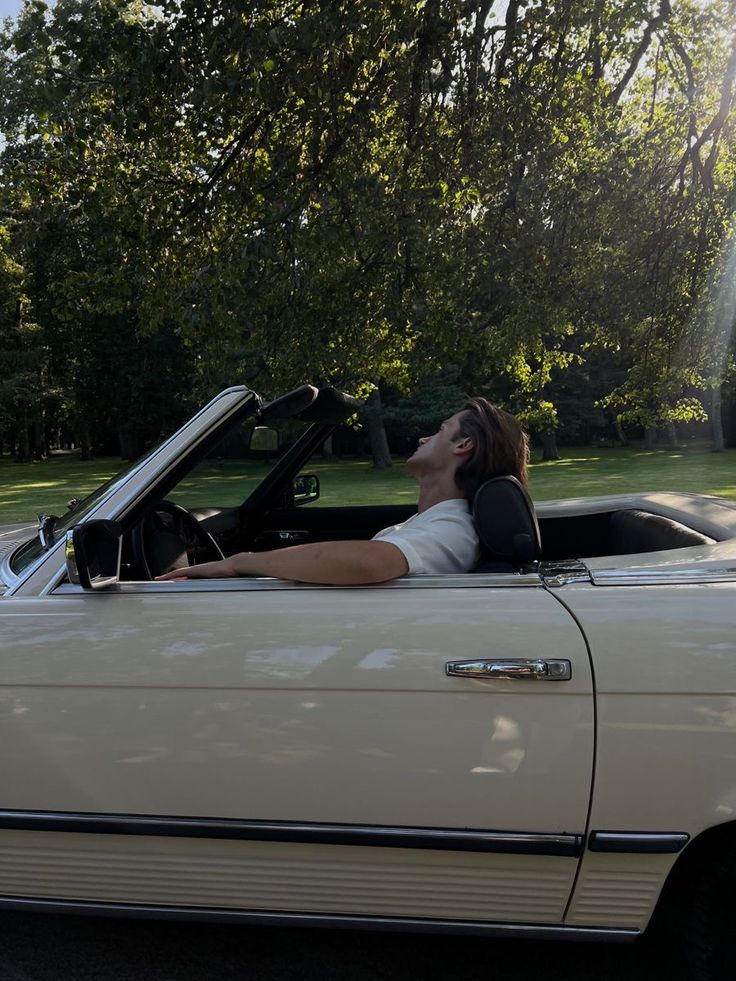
453 512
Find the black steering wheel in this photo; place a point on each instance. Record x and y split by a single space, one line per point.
170 537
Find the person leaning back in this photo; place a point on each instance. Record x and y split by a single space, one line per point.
478 442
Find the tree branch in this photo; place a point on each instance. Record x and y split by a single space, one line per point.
665 12
231 152
712 131
512 23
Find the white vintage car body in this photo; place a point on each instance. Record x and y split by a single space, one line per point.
284 752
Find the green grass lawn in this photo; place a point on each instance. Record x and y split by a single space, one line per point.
26 489
585 472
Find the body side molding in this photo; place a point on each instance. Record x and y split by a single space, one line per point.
377 836
641 842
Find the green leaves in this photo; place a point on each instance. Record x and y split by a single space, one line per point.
365 191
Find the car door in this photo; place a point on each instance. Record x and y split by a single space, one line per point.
266 746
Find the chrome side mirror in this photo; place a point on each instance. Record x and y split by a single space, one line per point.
93 550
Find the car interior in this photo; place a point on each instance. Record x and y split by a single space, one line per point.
178 528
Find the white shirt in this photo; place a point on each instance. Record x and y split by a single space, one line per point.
438 541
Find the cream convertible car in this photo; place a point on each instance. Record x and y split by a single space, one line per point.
537 748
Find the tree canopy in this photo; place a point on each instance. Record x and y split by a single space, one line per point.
537 196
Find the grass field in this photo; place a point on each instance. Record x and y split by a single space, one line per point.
26 489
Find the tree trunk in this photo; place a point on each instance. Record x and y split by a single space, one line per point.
671 431
129 443
728 417
24 446
620 434
718 443
650 437
327 451
39 436
549 446
377 432
85 444
24 440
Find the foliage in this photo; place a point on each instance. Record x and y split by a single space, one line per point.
361 193
410 417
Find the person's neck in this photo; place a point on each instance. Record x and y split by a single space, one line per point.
435 488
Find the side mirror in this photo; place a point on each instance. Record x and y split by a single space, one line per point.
93 551
306 488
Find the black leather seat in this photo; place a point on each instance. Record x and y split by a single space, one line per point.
507 527
633 531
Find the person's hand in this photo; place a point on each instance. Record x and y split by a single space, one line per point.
222 569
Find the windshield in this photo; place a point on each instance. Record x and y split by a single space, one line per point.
234 464
31 550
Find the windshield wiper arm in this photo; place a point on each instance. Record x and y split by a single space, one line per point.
46 524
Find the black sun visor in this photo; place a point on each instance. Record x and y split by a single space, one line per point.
326 405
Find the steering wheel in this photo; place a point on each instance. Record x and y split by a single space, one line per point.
170 537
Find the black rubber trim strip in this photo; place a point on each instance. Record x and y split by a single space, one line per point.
438 839
638 842
400 924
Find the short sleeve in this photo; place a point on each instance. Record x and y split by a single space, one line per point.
445 544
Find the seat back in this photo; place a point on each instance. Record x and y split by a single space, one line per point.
633 531
507 526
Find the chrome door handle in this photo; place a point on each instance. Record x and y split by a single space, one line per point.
533 670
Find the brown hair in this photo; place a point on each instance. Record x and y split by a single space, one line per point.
500 446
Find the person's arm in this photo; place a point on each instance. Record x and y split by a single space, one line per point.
329 563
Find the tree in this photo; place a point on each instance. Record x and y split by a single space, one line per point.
23 363
363 193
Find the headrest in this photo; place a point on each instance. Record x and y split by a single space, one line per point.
506 521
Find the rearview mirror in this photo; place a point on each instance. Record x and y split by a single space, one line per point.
263 439
306 488
93 551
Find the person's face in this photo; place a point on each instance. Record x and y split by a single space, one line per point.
444 451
